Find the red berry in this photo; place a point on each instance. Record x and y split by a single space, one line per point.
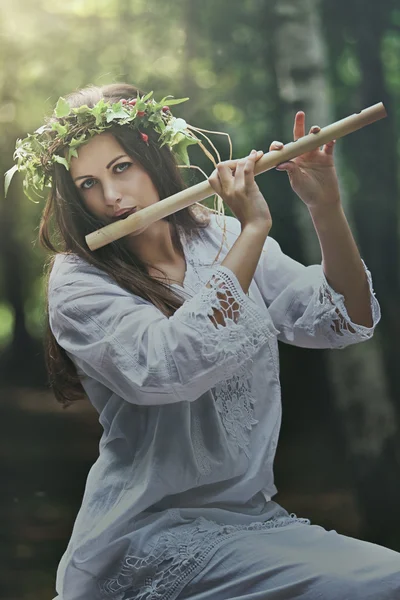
123 101
141 113
165 108
132 102
144 137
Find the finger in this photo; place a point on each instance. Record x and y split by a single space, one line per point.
288 166
299 125
233 162
242 165
248 171
221 179
329 147
230 163
215 183
276 146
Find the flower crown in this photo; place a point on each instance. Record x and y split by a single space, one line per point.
58 140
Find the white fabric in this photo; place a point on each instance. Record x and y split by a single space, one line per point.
191 410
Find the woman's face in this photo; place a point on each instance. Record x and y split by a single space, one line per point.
109 180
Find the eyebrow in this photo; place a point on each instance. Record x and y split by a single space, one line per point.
110 164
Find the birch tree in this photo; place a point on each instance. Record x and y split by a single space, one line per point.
360 392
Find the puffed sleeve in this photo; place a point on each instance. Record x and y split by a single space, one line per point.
305 309
140 354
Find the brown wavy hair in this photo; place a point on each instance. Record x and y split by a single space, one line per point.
66 221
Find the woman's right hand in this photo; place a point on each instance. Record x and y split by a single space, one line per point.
233 180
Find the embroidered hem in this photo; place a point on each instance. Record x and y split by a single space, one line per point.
177 557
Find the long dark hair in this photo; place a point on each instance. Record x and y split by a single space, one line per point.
66 221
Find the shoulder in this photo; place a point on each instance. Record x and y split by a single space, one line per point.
69 268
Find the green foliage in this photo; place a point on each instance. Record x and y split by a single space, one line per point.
59 139
6 323
219 55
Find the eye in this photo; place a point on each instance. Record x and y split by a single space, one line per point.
87 187
121 167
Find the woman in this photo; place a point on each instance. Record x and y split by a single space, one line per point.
172 335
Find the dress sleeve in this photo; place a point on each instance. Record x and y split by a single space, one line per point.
145 357
305 309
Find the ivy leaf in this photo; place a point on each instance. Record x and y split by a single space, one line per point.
99 110
62 130
113 114
180 149
83 113
62 108
72 152
83 109
8 177
76 142
61 160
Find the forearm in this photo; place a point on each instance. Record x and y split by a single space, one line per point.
245 253
242 259
342 264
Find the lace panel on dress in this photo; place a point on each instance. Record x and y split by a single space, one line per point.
330 309
233 346
172 560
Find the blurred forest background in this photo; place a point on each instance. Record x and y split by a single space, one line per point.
247 66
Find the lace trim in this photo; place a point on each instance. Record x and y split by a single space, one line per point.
174 557
233 346
246 329
330 315
235 405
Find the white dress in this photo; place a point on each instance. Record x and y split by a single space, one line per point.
191 411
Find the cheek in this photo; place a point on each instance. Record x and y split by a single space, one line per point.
91 203
145 188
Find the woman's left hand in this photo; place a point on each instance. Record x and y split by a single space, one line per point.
312 175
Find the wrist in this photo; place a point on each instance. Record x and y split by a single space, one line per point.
257 227
326 211
328 219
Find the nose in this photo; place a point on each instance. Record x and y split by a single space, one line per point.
111 193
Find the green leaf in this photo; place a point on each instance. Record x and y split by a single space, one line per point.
61 160
82 110
112 115
35 145
72 152
62 130
83 113
170 100
180 149
140 106
76 142
149 95
8 177
62 108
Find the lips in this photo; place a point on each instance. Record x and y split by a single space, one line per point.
122 214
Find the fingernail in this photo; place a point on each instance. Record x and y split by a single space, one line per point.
253 152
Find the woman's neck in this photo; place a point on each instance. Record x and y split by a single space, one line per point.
157 245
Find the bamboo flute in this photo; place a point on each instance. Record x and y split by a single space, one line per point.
203 190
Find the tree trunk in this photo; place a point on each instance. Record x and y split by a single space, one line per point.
360 395
372 152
